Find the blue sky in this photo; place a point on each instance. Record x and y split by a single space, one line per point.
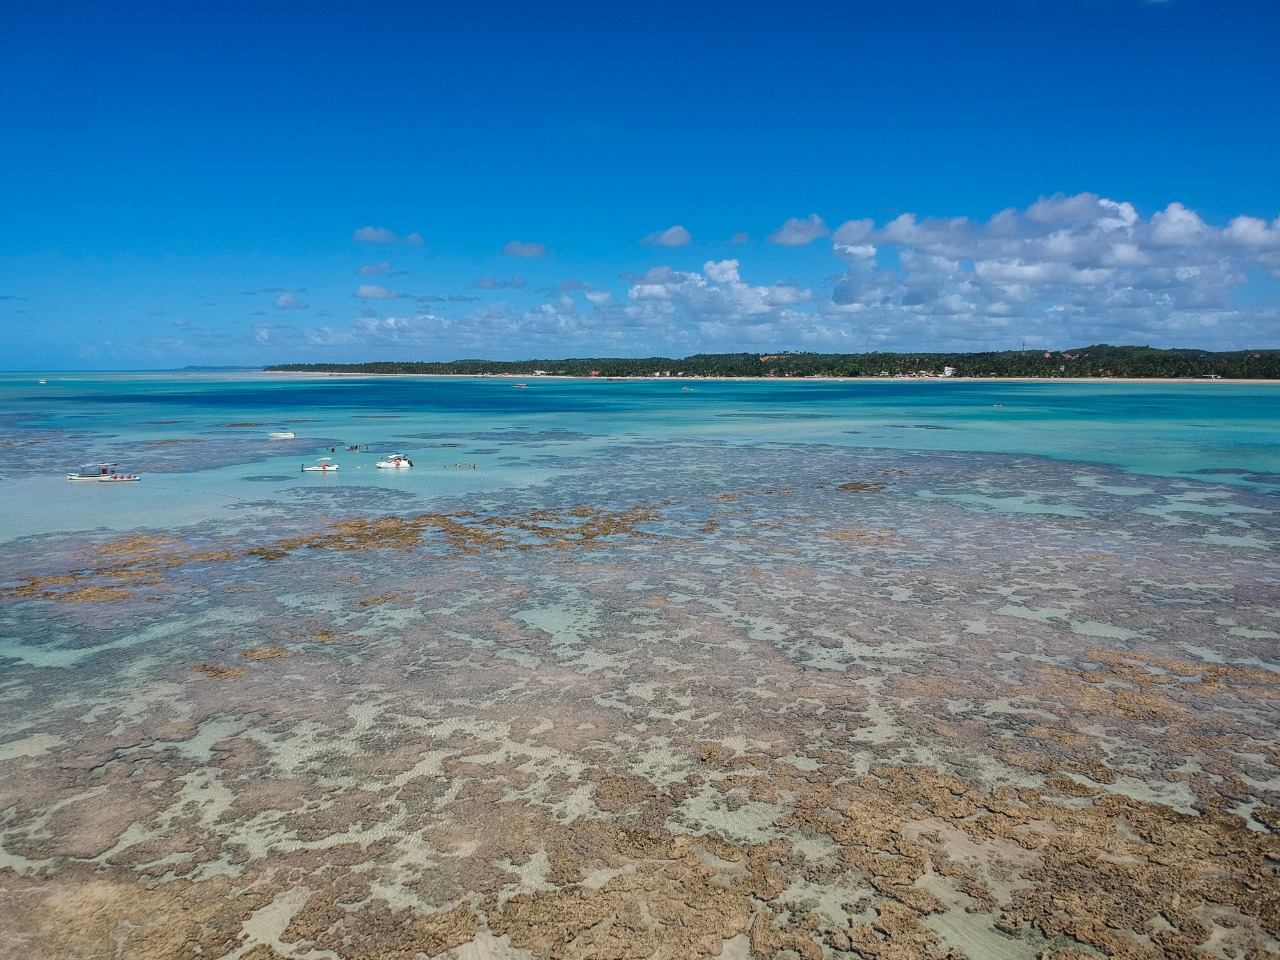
237 183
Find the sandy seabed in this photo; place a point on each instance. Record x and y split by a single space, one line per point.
797 704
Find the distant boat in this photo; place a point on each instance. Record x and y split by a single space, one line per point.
395 460
102 473
282 435
518 386
322 465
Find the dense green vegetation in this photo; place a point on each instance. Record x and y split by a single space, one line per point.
1101 360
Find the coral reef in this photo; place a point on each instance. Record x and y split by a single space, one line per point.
765 714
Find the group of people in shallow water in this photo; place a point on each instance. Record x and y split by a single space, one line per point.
463 466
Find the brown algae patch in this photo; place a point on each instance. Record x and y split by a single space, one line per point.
116 569
468 533
95 595
267 653
220 673
381 599
122 566
857 486
735 496
329 637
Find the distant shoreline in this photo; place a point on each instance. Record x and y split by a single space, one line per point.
703 378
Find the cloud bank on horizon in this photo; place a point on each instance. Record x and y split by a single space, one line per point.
1064 271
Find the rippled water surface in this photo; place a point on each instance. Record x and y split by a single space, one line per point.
639 668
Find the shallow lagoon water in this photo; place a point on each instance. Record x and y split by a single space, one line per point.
681 668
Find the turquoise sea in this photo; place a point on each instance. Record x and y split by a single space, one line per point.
638 668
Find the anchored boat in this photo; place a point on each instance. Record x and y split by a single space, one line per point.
322 465
394 461
102 473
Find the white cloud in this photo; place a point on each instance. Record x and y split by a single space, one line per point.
850 238
516 248
1063 271
1068 269
676 236
726 271
796 232
383 235
1176 226
1251 232
373 269
1060 209
718 292
287 301
371 291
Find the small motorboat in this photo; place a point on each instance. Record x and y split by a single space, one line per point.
322 465
282 435
102 473
395 461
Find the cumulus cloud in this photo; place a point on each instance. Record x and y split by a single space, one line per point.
676 236
373 269
383 235
1068 269
796 232
371 291
718 291
517 248
1252 232
1176 226
287 301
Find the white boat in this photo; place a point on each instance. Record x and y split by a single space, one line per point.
323 465
395 461
282 435
102 473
